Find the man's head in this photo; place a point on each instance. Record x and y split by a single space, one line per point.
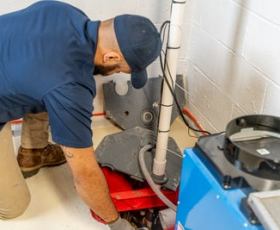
127 43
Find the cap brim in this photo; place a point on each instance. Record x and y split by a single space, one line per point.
139 79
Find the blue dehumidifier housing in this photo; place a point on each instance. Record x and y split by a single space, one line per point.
206 201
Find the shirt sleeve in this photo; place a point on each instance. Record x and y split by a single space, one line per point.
70 107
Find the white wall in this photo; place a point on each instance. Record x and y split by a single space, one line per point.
232 59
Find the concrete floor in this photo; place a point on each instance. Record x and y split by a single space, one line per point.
55 204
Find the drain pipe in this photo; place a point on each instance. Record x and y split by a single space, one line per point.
173 45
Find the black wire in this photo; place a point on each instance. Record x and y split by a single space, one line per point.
178 105
189 133
163 28
165 65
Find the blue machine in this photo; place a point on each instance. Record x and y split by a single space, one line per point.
203 203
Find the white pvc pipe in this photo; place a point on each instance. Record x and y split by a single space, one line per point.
174 41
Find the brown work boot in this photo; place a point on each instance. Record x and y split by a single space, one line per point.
31 160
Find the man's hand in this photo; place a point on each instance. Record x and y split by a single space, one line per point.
121 224
90 182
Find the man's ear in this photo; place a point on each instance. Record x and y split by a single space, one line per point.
111 58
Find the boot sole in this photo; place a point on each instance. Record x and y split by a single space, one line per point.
29 172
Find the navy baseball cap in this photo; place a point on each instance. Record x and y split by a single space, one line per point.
140 44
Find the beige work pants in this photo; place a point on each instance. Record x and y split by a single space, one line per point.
35 131
14 193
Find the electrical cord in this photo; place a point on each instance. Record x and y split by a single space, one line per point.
178 106
180 110
163 65
190 116
187 113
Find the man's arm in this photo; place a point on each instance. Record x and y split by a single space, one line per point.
90 182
